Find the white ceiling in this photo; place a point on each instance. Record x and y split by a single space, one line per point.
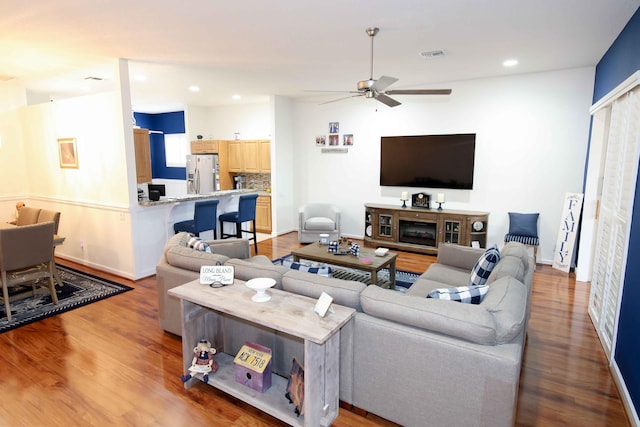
256 48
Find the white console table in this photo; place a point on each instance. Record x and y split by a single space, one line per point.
202 307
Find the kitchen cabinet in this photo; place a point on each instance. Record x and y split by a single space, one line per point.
423 230
264 148
142 150
252 156
263 214
235 156
205 146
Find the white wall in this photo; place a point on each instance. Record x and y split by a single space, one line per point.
93 199
532 133
251 121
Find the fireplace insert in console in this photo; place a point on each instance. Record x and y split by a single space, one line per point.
418 232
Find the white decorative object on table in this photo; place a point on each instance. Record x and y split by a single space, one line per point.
260 285
381 251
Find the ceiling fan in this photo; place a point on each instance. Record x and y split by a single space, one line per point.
376 88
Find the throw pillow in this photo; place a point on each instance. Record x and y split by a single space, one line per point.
483 267
198 244
466 294
322 271
523 224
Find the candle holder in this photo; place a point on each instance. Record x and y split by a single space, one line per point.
404 203
439 205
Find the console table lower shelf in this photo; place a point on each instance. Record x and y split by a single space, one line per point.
204 310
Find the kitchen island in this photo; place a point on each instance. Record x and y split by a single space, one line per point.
153 224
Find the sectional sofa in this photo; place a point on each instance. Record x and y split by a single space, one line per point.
413 360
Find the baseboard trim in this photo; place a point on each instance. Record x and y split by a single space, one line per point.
624 394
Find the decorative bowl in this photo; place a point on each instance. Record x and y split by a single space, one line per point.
381 251
260 285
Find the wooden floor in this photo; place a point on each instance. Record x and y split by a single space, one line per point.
109 363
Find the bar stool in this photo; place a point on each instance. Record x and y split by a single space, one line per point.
246 212
204 218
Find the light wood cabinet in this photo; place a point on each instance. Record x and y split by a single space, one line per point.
142 150
264 148
205 146
422 230
235 156
253 156
263 214
250 156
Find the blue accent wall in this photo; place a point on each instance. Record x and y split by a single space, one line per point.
166 123
621 60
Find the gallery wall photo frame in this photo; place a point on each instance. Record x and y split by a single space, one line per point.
68 152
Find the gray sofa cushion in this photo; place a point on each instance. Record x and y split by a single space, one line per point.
447 275
258 266
469 322
506 301
517 250
458 256
509 266
344 292
191 259
179 255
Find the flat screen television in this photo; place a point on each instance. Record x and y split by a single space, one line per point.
430 161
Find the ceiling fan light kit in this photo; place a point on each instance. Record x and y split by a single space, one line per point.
376 89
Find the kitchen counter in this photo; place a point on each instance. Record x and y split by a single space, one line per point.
196 197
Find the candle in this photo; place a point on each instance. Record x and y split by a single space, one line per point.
405 196
440 198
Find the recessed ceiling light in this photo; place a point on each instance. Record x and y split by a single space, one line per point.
194 88
510 63
235 97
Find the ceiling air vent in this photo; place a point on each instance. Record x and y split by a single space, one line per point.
433 54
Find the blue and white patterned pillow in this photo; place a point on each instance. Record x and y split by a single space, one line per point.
198 244
321 271
467 294
483 267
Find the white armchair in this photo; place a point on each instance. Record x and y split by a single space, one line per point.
316 219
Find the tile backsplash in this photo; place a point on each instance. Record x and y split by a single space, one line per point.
259 181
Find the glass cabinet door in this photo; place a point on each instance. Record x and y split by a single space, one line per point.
385 225
452 232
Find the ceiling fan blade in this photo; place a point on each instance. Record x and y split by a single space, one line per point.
388 101
332 91
419 92
383 82
340 99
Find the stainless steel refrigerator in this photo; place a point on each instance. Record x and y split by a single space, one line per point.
203 173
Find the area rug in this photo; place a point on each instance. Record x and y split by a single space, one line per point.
78 289
404 279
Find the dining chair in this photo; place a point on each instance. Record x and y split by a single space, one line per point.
204 219
246 212
46 215
26 257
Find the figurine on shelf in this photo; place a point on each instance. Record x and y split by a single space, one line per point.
203 362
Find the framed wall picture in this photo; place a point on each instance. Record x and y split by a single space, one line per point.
321 140
334 127
68 152
333 139
347 139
